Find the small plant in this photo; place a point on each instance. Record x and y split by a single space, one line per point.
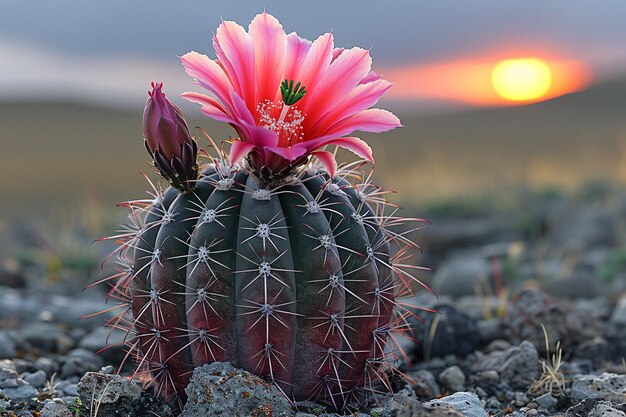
552 379
51 386
76 407
273 256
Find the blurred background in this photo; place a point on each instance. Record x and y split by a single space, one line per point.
514 115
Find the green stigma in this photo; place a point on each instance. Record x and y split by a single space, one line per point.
291 95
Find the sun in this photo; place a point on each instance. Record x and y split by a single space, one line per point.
521 79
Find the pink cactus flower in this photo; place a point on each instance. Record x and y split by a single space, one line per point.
287 97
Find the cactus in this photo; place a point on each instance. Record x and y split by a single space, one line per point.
285 265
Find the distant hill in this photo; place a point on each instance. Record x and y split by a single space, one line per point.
55 153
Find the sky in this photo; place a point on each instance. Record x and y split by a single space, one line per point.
107 52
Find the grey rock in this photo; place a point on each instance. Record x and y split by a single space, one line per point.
527 312
12 383
55 409
108 369
219 389
117 396
71 390
79 362
20 393
452 378
489 330
460 275
42 305
108 389
450 332
22 365
577 229
8 372
546 401
466 403
496 345
11 276
404 406
47 365
46 337
595 407
518 365
36 379
425 385
456 233
108 341
489 376
7 346
597 350
606 386
618 317
22 413
606 409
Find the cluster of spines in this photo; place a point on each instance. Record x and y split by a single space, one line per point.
166 350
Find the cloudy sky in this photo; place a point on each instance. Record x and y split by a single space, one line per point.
108 51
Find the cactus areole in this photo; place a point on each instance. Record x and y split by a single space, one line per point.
273 257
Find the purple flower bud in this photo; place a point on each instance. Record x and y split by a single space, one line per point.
168 140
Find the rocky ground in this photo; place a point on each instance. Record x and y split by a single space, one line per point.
532 322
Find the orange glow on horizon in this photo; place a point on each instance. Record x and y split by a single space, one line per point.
477 81
521 79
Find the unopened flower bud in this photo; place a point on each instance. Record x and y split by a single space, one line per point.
168 140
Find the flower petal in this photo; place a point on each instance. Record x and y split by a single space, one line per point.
210 106
238 150
207 73
315 64
297 50
290 154
362 97
370 120
372 76
337 52
343 75
328 160
235 51
270 48
355 145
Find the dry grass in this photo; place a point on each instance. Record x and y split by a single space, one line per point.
551 379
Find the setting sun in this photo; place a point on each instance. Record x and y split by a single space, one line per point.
521 79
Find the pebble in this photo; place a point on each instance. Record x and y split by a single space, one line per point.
546 401
594 407
466 403
606 386
452 378
619 312
461 274
36 379
425 385
7 346
20 393
46 337
518 365
55 409
47 365
71 390
221 389
79 362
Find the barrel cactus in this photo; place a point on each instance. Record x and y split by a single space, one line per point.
270 257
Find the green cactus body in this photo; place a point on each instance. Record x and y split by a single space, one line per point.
294 283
